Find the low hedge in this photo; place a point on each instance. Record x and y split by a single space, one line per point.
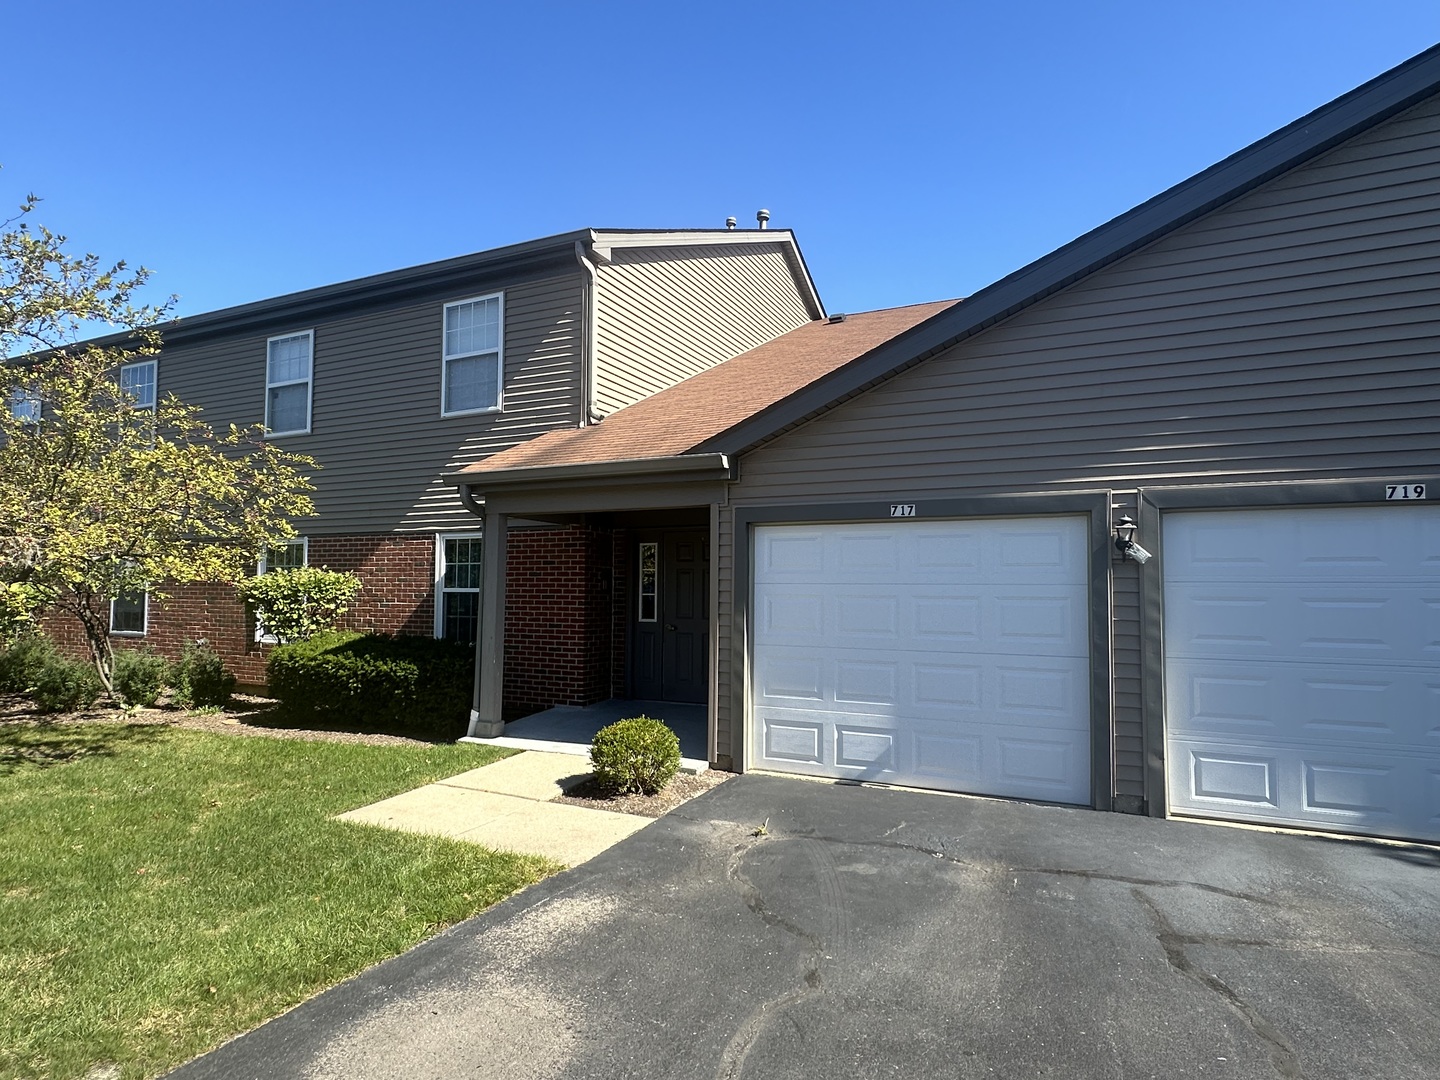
413 684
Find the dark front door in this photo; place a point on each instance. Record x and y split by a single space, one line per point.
670 627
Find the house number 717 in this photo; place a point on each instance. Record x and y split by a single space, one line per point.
902 509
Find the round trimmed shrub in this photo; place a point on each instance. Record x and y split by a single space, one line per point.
639 754
140 676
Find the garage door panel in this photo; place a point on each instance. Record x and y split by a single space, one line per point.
1354 793
1346 624
1024 619
1323 544
888 555
971 755
1380 706
1300 667
942 654
1032 692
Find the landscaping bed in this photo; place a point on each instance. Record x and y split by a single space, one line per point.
682 789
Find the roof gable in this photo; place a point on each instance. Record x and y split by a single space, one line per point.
1303 140
707 405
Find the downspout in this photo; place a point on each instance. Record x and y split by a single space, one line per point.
476 507
468 500
588 415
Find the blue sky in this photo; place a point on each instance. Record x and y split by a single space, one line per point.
919 150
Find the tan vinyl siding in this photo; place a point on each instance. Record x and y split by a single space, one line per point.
1291 335
376 426
667 313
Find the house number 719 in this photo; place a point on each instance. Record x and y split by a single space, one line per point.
1397 491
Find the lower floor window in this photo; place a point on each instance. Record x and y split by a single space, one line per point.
286 555
457 587
128 612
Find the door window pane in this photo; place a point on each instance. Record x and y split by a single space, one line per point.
649 581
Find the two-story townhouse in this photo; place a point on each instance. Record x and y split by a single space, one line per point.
392 381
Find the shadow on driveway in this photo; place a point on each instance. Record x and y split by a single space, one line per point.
869 932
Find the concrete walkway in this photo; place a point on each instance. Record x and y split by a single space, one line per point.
569 729
507 805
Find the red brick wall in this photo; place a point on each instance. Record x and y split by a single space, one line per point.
565 635
557 618
398 598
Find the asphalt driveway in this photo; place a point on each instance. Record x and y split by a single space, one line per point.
875 933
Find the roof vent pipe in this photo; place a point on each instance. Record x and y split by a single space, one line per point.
730 222
762 216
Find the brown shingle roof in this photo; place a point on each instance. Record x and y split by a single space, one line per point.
705 405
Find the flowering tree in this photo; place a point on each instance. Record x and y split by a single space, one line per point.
102 495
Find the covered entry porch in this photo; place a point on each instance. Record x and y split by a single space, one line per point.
597 602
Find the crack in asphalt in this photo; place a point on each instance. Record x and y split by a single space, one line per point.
1093 875
737 1050
1154 883
1281 1053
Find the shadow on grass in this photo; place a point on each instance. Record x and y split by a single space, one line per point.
42 744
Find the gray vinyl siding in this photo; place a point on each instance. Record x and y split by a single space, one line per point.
667 313
1291 335
376 427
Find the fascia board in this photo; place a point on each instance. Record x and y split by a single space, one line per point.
630 470
391 286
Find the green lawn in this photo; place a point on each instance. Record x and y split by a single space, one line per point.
162 889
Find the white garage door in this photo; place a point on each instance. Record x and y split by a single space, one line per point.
1302 667
941 654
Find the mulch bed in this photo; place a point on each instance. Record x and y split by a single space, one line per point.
682 789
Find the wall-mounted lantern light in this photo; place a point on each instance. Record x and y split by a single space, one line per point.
1125 530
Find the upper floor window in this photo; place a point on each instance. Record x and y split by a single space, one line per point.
138 381
472 360
25 406
287 384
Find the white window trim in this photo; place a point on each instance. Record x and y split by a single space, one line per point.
25 406
440 590
154 379
309 384
499 350
144 618
261 570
